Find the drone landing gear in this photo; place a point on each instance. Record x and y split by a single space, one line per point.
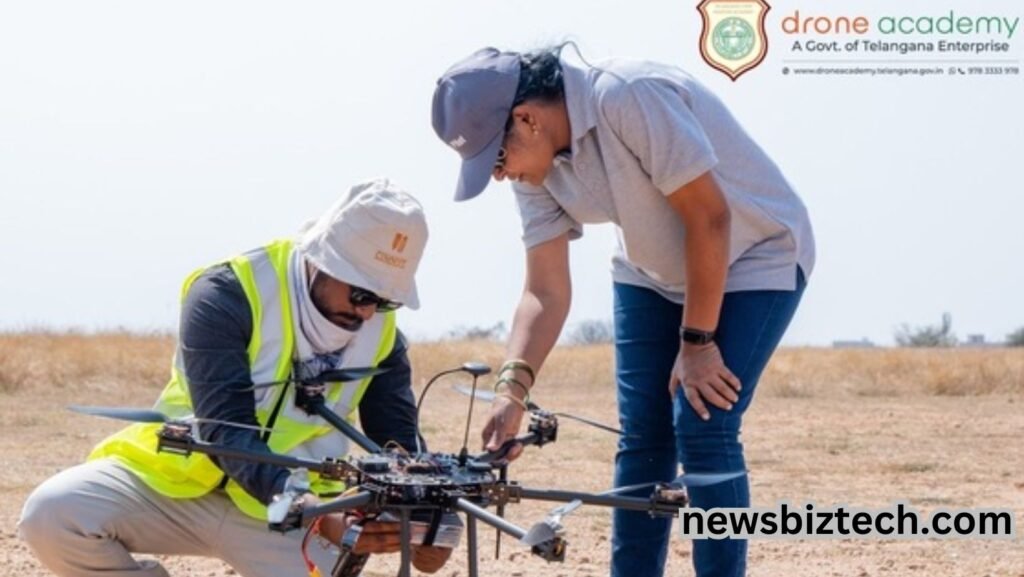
350 563
551 549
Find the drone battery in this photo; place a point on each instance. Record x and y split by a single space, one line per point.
448 534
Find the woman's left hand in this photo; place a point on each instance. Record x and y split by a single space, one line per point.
703 376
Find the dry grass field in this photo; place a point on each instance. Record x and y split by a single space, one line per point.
936 428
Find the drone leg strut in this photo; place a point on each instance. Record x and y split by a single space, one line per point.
486 516
406 534
471 545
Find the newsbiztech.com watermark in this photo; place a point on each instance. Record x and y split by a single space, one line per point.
807 521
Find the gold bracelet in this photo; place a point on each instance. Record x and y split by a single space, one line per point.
518 364
511 381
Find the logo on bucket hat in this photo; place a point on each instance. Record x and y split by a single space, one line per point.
398 245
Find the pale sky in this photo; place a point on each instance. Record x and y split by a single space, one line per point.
140 140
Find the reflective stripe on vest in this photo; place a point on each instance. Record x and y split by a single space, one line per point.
263 274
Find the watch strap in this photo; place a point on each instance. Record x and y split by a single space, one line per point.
696 336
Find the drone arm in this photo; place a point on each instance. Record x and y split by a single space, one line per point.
356 501
185 444
617 502
345 427
486 516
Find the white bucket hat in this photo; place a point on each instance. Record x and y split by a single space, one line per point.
373 238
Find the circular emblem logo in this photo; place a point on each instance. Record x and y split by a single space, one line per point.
733 38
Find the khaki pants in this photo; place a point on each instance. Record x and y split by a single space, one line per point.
88 520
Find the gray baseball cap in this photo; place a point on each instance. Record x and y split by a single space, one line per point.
472 103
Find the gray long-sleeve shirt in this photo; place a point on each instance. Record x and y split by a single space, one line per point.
215 329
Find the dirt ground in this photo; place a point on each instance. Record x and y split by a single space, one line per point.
820 445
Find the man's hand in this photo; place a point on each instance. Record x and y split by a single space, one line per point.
386 537
702 373
502 425
377 537
334 525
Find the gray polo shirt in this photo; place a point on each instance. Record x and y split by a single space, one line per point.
640 131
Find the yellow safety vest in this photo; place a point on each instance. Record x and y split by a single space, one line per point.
263 274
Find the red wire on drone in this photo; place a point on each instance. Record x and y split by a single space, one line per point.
314 529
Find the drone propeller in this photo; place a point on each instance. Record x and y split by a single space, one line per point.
151 416
122 413
333 376
488 396
551 526
592 423
687 480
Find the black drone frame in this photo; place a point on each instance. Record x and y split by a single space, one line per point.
462 483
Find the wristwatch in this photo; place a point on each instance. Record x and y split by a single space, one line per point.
696 336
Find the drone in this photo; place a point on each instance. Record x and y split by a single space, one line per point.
392 483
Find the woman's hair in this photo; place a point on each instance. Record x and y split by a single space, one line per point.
540 76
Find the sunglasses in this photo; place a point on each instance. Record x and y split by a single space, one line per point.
360 297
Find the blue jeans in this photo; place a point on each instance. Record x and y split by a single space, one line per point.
662 431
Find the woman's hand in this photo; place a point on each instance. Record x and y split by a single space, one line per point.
704 211
502 425
703 376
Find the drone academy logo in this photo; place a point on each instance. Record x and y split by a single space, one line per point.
733 37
